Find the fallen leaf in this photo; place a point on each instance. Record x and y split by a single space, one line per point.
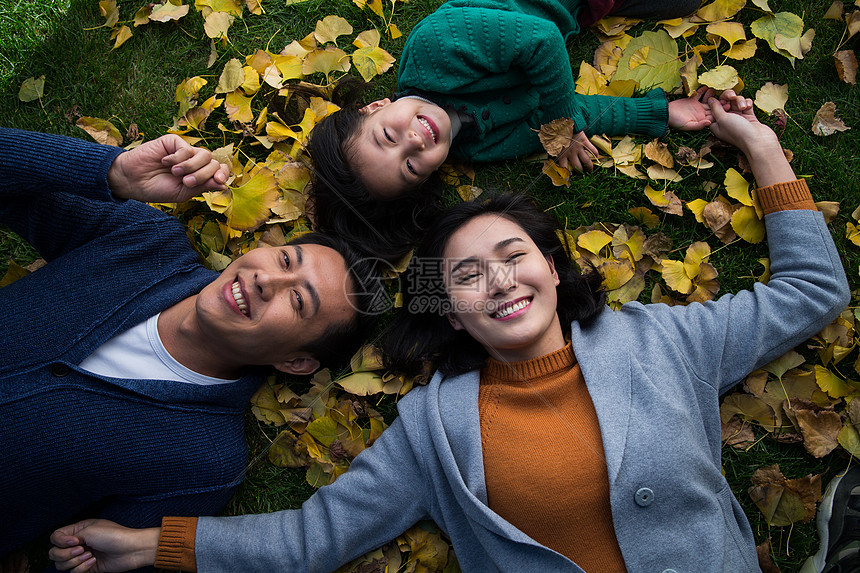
660 68
846 66
720 78
330 28
720 10
556 135
818 426
784 501
747 224
252 201
372 61
825 121
742 50
110 12
168 11
835 11
216 24
659 152
232 76
101 130
771 97
666 201
121 35
32 89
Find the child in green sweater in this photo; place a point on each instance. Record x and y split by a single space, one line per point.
476 79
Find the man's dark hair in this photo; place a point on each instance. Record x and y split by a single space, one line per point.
367 295
421 332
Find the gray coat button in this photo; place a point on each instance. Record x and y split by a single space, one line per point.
644 497
669 571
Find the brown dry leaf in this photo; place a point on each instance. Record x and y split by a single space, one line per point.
469 192
785 501
101 130
825 121
718 217
835 11
748 408
818 426
666 201
852 21
556 135
846 66
737 434
763 552
659 152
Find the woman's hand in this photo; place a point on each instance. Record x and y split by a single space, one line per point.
736 123
579 155
692 113
102 546
165 170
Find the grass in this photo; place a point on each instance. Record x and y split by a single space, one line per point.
135 84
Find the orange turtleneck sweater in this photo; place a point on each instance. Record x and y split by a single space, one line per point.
543 457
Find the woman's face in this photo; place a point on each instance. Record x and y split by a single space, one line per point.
502 289
400 145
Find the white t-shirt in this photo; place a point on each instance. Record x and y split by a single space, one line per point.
138 354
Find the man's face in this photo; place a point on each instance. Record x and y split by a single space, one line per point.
270 303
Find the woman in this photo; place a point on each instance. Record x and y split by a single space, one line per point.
476 80
541 444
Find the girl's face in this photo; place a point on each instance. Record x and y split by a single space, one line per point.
502 289
400 145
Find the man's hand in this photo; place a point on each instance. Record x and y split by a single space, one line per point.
579 155
165 170
102 546
691 113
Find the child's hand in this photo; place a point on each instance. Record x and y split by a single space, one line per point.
579 155
734 122
165 170
691 113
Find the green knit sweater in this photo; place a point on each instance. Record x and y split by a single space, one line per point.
505 63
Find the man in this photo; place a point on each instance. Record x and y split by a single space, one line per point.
126 366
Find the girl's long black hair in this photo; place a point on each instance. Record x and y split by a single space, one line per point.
421 333
340 202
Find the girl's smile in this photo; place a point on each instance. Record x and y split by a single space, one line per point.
502 289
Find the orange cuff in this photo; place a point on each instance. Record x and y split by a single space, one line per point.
176 544
788 196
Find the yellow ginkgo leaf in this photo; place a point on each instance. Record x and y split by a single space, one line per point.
737 187
593 241
469 192
797 46
230 6
168 11
290 67
660 173
659 152
638 57
697 254
394 31
186 93
238 107
771 97
367 39
232 76
615 273
666 201
606 58
707 285
252 201
109 10
645 216
141 17
697 207
675 277
121 36
785 24
560 176
742 50
852 233
620 88
590 81
216 24
730 31
330 28
259 60
720 78
322 108
627 152
748 226
683 27
720 10
690 76
374 5
290 206
831 383
251 83
372 61
326 61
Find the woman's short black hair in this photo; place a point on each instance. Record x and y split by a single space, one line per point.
421 332
342 205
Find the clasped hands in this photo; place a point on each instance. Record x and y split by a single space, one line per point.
686 114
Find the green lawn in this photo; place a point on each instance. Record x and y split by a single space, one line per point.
136 84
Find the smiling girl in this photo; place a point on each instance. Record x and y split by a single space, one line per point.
476 80
557 435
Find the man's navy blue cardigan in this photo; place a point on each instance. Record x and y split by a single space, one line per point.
76 444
